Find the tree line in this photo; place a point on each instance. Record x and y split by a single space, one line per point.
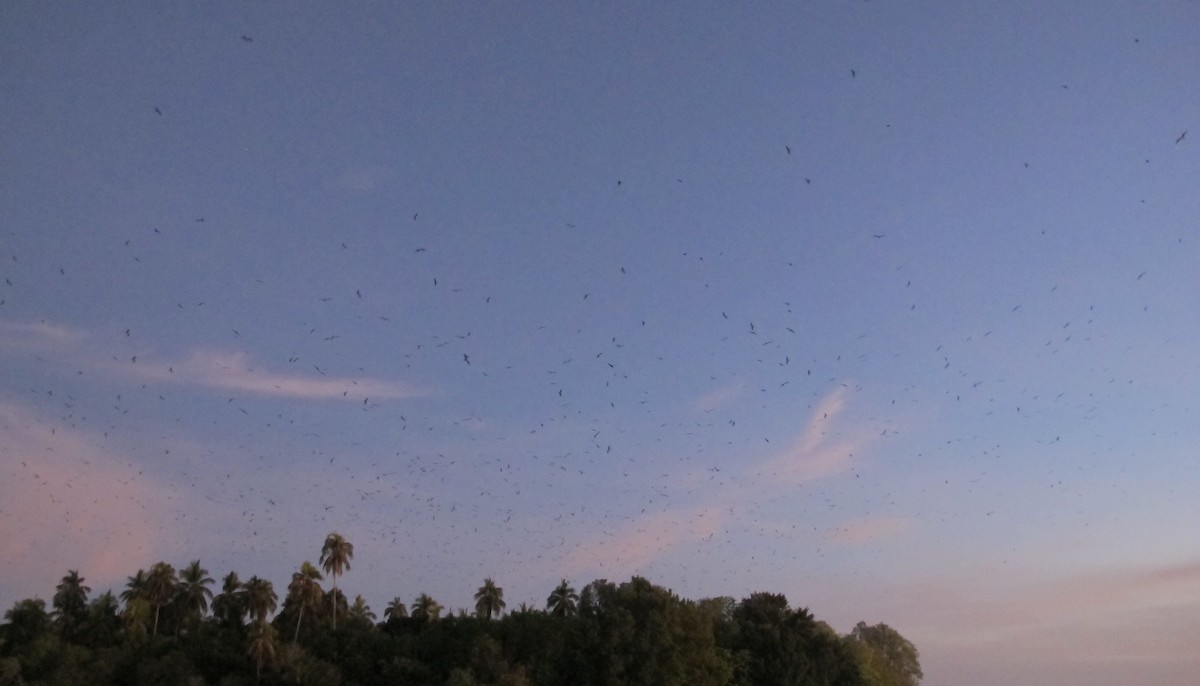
169 627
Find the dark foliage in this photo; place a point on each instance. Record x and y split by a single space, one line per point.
633 633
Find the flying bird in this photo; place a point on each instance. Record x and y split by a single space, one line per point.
159 113
466 359
247 39
1181 137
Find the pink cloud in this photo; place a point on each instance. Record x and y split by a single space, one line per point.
814 454
70 505
630 549
1136 616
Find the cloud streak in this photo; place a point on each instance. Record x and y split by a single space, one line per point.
40 333
872 529
638 544
234 372
814 454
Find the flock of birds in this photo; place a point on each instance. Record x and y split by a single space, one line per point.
605 422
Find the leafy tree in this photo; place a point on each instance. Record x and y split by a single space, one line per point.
770 641
489 599
70 605
26 621
426 608
648 635
563 601
304 591
887 656
335 560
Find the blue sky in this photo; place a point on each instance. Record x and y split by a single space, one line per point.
889 308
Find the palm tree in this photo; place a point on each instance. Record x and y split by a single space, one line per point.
563 601
160 587
260 599
261 646
426 608
135 586
194 593
395 609
304 591
360 613
70 604
335 559
104 619
135 618
489 599
230 605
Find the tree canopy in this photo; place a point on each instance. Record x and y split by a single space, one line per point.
168 627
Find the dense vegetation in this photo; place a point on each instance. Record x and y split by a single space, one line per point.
168 627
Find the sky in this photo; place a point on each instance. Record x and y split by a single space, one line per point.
886 306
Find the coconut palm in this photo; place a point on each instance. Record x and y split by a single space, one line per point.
229 607
489 599
104 619
260 646
260 599
361 614
304 591
160 588
426 608
395 609
194 594
70 604
563 601
335 560
135 586
135 619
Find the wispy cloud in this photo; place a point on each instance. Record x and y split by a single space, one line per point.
233 371
815 454
871 529
1135 625
818 451
37 334
636 545
718 398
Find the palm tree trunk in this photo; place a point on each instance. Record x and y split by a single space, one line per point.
299 619
334 602
156 609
